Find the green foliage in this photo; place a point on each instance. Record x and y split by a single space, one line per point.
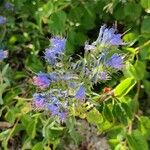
124 87
145 26
57 23
137 141
94 116
26 33
146 5
137 71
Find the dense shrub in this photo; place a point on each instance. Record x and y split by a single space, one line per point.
103 80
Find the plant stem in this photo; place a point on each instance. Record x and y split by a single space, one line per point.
142 46
3 34
20 98
11 132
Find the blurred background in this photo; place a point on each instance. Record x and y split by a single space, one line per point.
25 34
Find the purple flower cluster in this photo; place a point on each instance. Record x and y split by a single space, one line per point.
101 61
63 84
41 80
42 101
55 50
101 76
116 62
57 108
39 101
2 20
104 76
80 94
3 54
53 101
107 37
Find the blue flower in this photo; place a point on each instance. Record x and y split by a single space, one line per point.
53 76
2 20
56 50
58 44
103 56
116 61
104 76
55 101
68 76
72 84
57 108
89 47
63 116
108 36
9 6
39 101
80 94
3 54
41 80
53 109
86 71
50 56
94 78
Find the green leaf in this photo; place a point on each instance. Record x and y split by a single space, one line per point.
147 86
120 113
132 10
145 29
12 114
11 94
38 146
57 22
127 109
71 127
51 131
124 87
146 5
74 40
140 70
55 132
47 126
145 53
137 71
4 134
33 63
43 13
107 113
130 37
80 41
104 126
20 74
115 131
5 68
144 126
27 143
25 119
136 141
31 128
2 89
94 116
88 19
113 143
119 12
47 9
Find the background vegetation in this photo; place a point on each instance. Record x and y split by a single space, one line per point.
30 24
